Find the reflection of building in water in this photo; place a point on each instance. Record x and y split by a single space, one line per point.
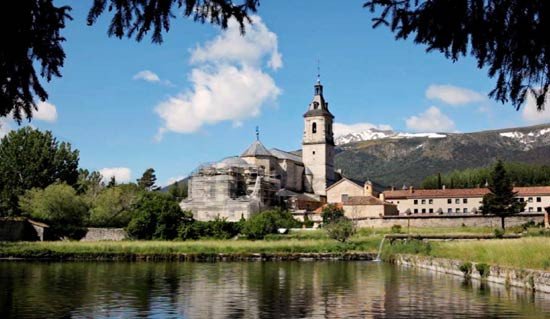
242 185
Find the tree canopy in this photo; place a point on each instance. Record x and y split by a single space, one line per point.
30 159
509 37
31 31
147 180
501 200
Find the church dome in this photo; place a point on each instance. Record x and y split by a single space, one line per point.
256 149
233 161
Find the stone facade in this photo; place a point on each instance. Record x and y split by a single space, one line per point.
240 186
105 234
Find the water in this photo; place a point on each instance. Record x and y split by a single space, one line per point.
251 290
380 249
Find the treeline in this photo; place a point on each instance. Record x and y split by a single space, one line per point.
520 174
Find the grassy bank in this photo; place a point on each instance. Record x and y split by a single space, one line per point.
528 252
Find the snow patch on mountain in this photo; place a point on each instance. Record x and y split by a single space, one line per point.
375 134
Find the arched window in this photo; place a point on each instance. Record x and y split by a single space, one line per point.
314 128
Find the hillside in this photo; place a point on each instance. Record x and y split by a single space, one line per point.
401 158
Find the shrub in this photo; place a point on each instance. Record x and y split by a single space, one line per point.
59 206
331 213
156 216
396 229
268 222
483 269
466 268
308 223
499 233
341 229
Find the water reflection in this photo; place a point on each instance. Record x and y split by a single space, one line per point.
251 290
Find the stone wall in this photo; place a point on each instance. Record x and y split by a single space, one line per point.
19 230
448 221
99 234
535 280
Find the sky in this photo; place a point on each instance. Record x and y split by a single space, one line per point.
199 96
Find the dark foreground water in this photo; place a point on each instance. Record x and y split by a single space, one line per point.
251 290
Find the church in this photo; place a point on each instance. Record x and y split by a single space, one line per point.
240 186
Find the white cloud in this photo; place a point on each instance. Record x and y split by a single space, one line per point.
45 112
232 47
432 120
172 180
227 82
151 77
147 75
5 126
341 129
530 113
453 95
121 174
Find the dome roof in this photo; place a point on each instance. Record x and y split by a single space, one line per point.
233 161
256 149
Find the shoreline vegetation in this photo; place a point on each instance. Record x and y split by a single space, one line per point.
529 252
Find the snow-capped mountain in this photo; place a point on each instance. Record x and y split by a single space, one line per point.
375 134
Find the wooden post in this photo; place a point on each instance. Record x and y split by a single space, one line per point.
547 217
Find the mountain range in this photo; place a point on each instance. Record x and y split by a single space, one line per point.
395 158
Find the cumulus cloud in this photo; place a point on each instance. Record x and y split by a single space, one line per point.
431 120
121 174
228 82
453 95
5 126
341 129
46 112
151 77
530 113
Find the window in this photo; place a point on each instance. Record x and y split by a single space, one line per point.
449 210
416 210
521 200
539 199
416 201
431 201
423 210
431 210
457 201
344 197
313 152
449 201
539 209
530 199
458 210
465 210
423 202
530 209
465 201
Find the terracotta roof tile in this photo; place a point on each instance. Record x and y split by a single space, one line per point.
364 200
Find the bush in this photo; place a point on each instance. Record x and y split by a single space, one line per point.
308 223
216 229
341 229
156 216
466 268
268 222
395 229
331 213
483 269
59 206
499 233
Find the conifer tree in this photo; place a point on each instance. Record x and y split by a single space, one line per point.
148 180
502 200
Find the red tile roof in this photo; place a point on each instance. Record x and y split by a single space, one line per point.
461 192
364 200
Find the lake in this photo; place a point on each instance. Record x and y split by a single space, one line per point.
333 289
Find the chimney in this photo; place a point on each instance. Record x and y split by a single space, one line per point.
382 197
411 189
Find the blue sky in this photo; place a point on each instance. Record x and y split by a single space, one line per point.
197 97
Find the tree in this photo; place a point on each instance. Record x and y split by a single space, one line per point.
178 190
32 28
156 216
502 200
113 206
268 222
331 213
57 205
148 180
509 37
89 183
30 159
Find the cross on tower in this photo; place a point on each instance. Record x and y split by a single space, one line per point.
257 133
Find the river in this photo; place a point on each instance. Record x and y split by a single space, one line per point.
332 289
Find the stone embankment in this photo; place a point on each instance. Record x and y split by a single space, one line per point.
534 280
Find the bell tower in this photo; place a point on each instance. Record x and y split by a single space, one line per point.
318 142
